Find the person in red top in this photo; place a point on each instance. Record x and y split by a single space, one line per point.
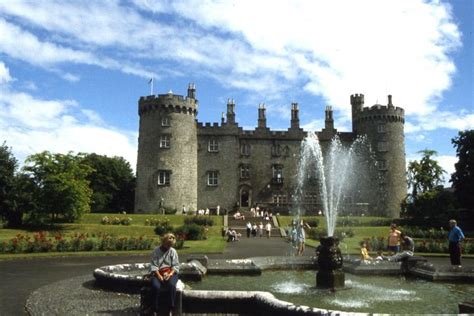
394 239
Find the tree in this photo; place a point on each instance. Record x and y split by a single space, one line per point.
433 204
425 175
112 182
8 166
61 188
463 177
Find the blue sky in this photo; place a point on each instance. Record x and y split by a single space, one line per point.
71 72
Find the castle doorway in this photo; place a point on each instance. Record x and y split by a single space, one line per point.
245 197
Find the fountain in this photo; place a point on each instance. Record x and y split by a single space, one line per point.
335 175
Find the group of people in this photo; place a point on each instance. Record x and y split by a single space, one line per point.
399 244
396 242
232 234
254 229
257 212
206 211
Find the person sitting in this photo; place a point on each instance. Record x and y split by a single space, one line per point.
380 256
364 253
164 269
407 243
239 215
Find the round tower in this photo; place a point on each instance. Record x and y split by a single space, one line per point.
384 127
167 152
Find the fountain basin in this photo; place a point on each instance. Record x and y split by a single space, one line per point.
226 292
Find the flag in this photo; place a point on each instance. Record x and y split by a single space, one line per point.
150 81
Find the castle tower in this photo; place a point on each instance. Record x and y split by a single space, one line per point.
384 127
357 103
167 152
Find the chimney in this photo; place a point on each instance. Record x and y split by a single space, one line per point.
295 120
262 120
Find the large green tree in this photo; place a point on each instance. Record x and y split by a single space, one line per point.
8 166
61 187
424 175
112 182
16 190
463 177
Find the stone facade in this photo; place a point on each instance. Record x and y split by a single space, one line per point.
182 162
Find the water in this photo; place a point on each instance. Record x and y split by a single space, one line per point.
343 172
367 294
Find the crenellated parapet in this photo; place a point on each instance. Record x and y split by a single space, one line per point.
377 112
169 102
380 113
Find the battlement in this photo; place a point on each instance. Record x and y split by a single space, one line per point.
380 112
357 98
168 102
208 125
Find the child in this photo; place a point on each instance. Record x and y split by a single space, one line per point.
364 253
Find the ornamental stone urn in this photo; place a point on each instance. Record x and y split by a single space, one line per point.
330 274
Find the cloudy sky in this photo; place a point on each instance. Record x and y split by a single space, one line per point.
71 72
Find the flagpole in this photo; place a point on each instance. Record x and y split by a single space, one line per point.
151 87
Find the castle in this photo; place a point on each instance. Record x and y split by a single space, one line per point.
182 162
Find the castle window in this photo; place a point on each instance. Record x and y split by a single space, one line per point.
212 178
382 164
213 146
280 199
276 150
244 171
164 177
310 198
382 146
165 141
245 149
277 171
165 121
381 128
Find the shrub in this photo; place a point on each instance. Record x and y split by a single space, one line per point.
317 234
116 220
313 222
163 226
170 211
199 220
192 232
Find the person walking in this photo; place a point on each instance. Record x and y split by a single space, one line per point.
268 229
249 229
455 237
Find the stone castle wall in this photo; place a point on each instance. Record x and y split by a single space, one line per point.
190 159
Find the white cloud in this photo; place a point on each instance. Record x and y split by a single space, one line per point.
460 120
4 74
26 46
331 49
